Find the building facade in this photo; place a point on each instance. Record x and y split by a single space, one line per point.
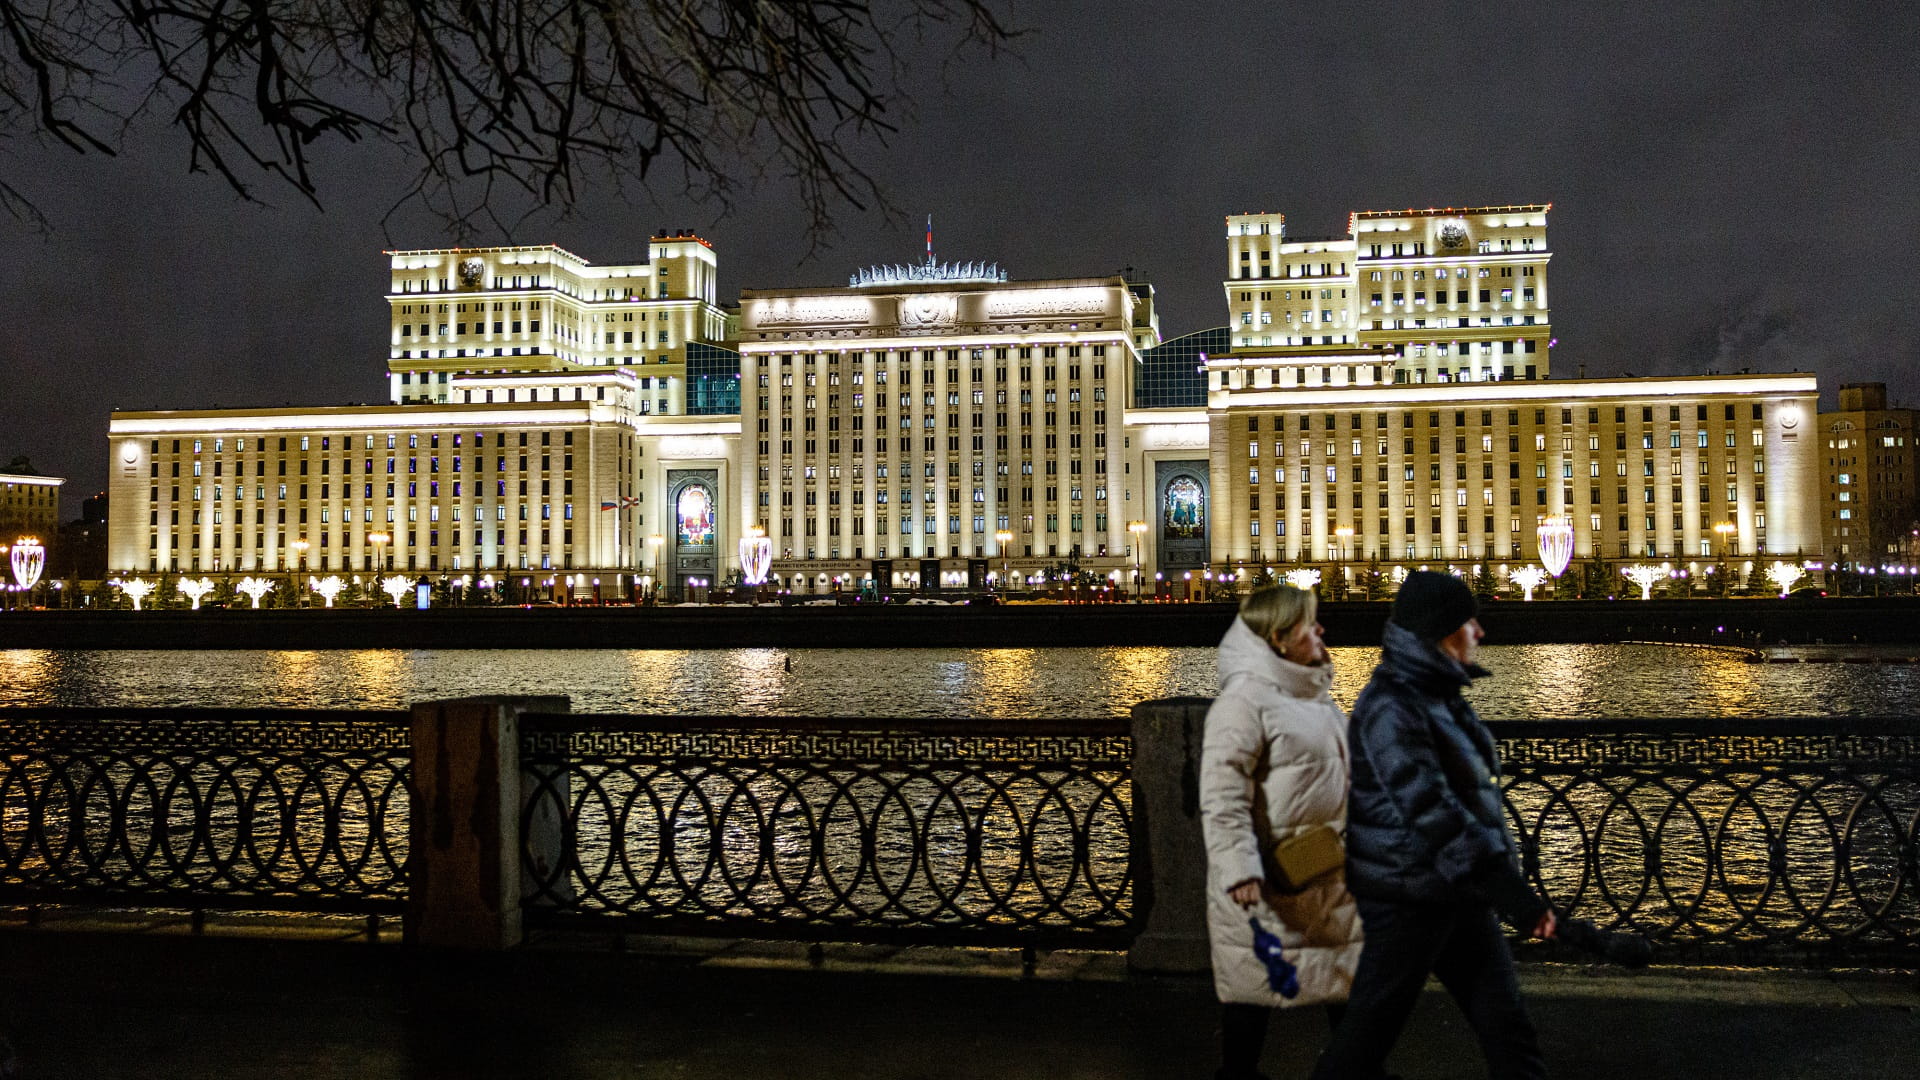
561 473
29 504
940 420
1870 497
540 310
1385 395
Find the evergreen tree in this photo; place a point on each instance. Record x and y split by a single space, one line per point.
166 594
1482 582
1372 581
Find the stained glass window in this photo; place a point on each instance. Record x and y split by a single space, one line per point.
1186 509
695 509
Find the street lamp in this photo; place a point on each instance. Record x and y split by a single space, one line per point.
1005 539
380 540
1725 529
1139 531
656 542
300 547
1343 534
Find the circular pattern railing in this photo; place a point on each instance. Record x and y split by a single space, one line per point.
239 809
1731 840
1019 832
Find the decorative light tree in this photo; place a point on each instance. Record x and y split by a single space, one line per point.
756 556
194 589
28 559
1646 577
137 590
396 587
1528 578
1303 578
328 587
1784 574
255 588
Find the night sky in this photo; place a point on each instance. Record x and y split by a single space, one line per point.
1733 186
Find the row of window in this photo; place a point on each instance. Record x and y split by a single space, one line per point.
930 525
1485 417
1489 524
219 443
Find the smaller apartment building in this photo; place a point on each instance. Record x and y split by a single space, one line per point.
1870 492
29 504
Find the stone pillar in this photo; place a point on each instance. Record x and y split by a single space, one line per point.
464 881
1166 805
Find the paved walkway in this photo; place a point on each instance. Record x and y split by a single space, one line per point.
155 1002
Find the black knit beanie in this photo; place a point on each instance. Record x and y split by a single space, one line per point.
1433 605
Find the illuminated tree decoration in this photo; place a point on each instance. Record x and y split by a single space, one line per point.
137 590
28 558
1646 577
695 510
396 587
255 588
196 589
1528 578
1303 578
756 556
1556 544
1784 574
328 587
1186 515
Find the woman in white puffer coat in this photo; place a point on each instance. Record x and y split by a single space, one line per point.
1274 764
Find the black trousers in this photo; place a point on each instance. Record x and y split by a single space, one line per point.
1243 1036
1460 944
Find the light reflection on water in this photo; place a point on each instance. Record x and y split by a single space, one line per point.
1530 681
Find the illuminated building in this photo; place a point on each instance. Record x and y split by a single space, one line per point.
29 503
1869 496
540 309
517 482
1387 395
1384 395
894 425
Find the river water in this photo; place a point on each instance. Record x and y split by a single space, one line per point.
1529 681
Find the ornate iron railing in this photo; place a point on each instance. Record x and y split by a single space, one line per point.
1739 840
1734 840
205 808
1016 832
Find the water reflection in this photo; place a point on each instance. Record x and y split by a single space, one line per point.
1529 681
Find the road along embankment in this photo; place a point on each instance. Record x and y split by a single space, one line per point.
1746 622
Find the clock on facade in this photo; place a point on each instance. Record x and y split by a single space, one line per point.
1453 236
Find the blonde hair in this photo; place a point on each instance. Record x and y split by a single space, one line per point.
1274 612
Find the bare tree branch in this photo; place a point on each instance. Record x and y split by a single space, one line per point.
518 99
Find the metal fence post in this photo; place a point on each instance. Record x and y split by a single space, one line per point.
1166 790
464 886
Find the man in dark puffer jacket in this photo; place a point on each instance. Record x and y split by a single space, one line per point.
1429 857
